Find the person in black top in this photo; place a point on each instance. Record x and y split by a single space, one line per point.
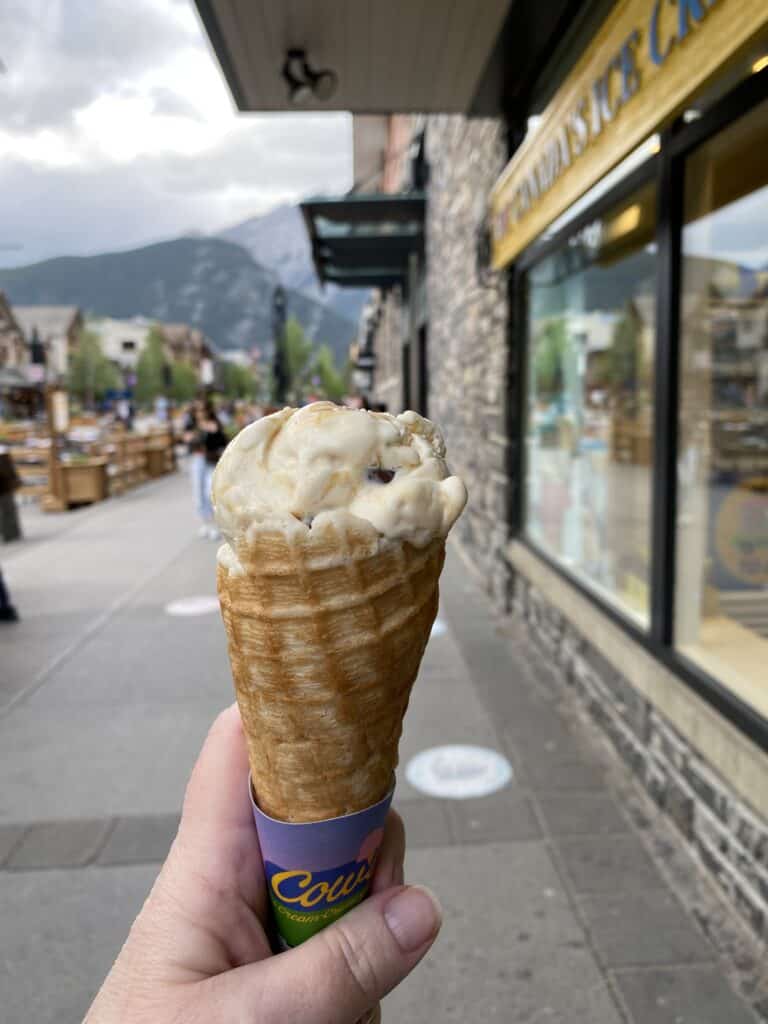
7 612
205 441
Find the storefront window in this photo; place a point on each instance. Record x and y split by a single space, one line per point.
722 526
592 313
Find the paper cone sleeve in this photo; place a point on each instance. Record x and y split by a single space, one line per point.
326 631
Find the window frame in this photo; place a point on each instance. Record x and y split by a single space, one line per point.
667 166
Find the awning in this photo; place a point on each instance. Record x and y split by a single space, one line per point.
365 240
12 379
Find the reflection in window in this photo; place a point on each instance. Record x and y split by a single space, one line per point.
592 313
722 527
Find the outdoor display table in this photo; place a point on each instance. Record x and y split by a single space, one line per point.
85 481
93 465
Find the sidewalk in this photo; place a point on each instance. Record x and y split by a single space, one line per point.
555 910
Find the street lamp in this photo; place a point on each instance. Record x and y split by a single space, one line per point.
279 359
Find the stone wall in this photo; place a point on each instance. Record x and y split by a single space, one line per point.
467 332
388 383
728 838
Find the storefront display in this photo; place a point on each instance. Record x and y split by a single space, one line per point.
591 348
722 526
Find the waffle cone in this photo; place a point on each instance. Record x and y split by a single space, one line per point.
326 631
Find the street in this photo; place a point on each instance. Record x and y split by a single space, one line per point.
556 911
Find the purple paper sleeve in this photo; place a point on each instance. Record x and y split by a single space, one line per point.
317 871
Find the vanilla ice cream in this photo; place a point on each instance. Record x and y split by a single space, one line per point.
305 469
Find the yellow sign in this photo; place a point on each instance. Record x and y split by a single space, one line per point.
648 58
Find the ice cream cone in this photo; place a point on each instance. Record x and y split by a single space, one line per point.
335 523
326 630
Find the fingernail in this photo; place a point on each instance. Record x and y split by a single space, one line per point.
413 916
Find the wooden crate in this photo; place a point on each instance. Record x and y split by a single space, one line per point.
85 481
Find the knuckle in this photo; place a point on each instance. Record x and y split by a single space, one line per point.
357 961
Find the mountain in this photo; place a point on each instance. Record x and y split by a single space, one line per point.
278 240
207 282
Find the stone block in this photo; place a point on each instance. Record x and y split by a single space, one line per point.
588 814
699 995
679 804
10 835
636 928
60 844
707 786
143 839
426 822
504 816
603 864
663 738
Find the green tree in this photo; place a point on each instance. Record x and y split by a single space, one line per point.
91 374
549 358
150 370
333 382
238 381
184 382
625 354
298 358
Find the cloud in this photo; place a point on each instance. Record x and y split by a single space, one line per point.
61 54
168 103
116 128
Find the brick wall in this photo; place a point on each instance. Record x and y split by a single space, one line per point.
729 839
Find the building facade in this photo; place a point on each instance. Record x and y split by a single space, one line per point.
56 329
13 349
597 356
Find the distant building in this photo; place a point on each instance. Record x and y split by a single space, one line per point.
186 344
14 353
56 328
121 340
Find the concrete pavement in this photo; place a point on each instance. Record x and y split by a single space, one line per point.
566 900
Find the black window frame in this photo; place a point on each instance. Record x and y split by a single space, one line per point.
667 166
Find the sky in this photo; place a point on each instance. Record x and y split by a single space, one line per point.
117 129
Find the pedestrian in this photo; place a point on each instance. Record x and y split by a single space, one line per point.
9 482
199 948
206 441
7 612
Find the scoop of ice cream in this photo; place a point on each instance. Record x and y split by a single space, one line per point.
324 460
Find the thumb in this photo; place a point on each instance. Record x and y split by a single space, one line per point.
344 970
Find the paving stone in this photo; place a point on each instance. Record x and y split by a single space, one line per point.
506 815
426 822
586 814
692 995
60 844
630 928
59 933
9 837
556 774
511 949
142 839
607 864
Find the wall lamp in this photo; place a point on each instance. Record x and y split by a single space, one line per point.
304 82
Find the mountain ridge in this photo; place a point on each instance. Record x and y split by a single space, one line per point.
212 283
278 239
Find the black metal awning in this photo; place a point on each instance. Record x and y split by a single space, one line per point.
365 240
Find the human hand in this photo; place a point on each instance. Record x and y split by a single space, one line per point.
198 951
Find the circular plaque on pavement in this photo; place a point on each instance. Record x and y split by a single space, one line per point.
204 604
458 771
